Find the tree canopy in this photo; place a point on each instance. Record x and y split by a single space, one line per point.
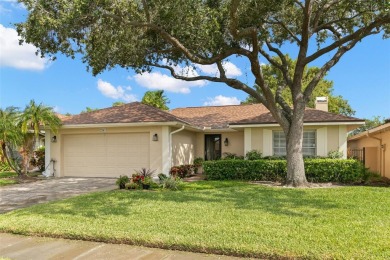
337 104
118 103
15 128
88 109
369 124
156 99
177 34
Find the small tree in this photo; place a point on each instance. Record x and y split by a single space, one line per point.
32 120
88 109
156 99
369 123
118 103
11 137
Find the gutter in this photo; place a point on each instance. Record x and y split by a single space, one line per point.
170 144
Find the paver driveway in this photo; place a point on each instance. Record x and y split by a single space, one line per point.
27 194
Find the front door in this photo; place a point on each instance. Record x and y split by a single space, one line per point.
212 147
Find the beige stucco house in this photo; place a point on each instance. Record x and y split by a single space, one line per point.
373 145
116 140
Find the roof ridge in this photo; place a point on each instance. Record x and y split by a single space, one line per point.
132 108
220 106
163 111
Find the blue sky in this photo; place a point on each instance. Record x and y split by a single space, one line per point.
362 77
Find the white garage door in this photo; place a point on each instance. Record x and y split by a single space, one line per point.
105 155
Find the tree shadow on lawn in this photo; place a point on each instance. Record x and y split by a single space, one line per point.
289 202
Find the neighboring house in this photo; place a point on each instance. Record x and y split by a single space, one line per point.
116 140
371 146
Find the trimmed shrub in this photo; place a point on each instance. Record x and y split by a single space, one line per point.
334 170
255 170
317 170
253 155
335 155
231 156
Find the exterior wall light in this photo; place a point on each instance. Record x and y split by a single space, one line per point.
226 142
155 137
54 139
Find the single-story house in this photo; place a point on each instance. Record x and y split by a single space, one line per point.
372 144
117 140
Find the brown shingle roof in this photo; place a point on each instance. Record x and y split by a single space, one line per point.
222 116
215 117
311 116
219 116
135 112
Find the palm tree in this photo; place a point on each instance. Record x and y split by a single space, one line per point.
35 117
11 136
156 98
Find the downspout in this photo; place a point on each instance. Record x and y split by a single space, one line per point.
380 151
170 144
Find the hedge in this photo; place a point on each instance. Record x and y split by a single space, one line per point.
317 170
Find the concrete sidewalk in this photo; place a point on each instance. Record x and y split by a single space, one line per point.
26 247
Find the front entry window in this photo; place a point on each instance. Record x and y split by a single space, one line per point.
212 147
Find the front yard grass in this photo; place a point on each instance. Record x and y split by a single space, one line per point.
9 178
230 218
5 178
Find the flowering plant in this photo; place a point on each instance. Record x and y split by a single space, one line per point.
137 178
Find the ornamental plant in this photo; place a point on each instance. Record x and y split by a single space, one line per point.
137 178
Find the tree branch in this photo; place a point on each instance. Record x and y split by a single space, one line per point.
178 45
322 10
229 81
330 28
299 3
146 8
287 29
222 73
361 33
282 67
233 25
326 67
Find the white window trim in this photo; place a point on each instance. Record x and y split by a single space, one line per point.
306 130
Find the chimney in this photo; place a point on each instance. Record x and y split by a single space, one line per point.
322 103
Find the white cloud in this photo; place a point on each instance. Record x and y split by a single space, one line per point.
247 47
18 56
230 69
221 101
157 80
14 4
119 92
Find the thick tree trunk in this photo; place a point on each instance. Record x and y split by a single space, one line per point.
295 167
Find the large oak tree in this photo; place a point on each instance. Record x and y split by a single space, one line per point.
274 79
145 34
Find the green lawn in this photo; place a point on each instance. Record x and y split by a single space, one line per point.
4 178
224 217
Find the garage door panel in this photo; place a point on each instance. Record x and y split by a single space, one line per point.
94 151
94 140
74 161
105 155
